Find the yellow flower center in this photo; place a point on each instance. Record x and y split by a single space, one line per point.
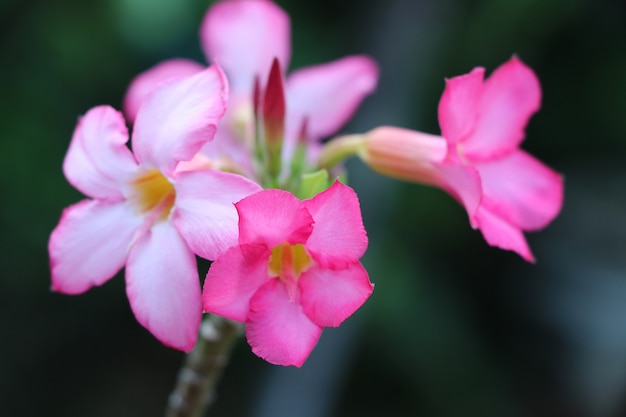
289 261
153 193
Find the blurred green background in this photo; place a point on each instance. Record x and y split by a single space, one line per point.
454 328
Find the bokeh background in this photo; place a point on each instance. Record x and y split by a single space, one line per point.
454 328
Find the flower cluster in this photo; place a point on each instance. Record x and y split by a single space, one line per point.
227 163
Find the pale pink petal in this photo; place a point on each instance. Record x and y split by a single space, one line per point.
244 37
500 233
462 182
328 296
178 118
328 95
273 217
232 280
458 105
522 190
163 286
229 150
277 329
205 211
511 95
98 161
144 83
338 236
90 244
198 162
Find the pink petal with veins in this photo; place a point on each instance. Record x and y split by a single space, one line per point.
163 287
338 237
511 95
232 280
98 162
205 211
143 84
458 104
463 183
328 297
178 118
90 244
277 329
273 217
500 233
522 190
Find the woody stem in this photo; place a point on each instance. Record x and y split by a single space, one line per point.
195 388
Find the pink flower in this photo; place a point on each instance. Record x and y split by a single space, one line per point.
505 190
143 212
296 269
244 37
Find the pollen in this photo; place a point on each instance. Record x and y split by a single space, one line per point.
289 261
153 193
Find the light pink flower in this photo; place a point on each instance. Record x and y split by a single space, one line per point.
143 212
296 269
505 190
244 37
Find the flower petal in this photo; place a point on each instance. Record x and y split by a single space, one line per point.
163 287
244 37
228 150
232 280
522 190
271 218
463 183
177 118
328 297
277 329
205 211
457 107
500 233
90 244
338 236
144 83
328 95
511 95
98 161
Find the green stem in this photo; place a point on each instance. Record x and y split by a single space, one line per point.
195 387
338 149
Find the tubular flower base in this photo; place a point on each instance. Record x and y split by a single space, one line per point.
296 269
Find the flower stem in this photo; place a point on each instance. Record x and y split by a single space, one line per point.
195 389
338 149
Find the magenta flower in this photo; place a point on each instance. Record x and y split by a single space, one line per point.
244 37
296 269
143 212
505 190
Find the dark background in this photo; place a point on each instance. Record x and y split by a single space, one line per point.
454 328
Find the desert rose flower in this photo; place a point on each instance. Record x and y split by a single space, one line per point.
244 37
295 270
504 190
143 212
